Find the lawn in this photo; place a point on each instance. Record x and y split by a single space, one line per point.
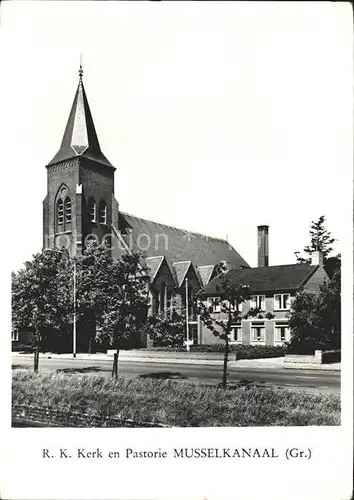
171 402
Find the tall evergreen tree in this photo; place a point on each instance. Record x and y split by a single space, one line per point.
320 239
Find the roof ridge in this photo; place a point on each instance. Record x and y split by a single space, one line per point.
271 267
174 227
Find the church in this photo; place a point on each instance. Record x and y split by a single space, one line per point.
80 205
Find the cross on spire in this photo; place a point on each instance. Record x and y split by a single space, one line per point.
81 71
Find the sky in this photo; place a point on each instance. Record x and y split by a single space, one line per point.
219 116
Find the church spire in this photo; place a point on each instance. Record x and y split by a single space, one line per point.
80 137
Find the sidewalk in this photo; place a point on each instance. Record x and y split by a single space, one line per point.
260 364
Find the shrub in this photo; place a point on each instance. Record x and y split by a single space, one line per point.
331 357
167 331
242 351
306 345
17 347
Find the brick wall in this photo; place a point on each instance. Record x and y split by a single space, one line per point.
97 181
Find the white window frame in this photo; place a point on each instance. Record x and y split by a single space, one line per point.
92 213
102 214
60 212
67 210
256 302
240 306
282 308
232 340
14 335
279 324
257 325
211 303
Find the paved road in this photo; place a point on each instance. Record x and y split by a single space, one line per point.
329 380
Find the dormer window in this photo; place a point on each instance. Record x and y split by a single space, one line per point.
60 212
102 213
67 210
92 210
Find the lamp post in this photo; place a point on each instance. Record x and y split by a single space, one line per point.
74 313
187 319
74 294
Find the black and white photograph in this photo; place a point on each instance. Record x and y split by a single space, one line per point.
178 192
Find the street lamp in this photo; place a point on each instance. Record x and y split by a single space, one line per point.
187 319
74 293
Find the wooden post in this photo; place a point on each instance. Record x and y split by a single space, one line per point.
224 375
36 359
115 365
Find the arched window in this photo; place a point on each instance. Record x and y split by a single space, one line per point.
102 212
92 209
60 212
67 209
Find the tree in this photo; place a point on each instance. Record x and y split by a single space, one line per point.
315 319
320 239
168 329
42 298
113 295
119 299
230 297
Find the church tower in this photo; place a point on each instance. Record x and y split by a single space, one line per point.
80 200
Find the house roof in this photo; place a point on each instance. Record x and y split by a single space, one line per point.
181 269
80 137
154 264
177 244
205 273
262 279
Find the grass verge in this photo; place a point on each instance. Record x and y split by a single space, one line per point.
174 402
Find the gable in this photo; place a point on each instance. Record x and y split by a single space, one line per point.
314 282
163 274
206 273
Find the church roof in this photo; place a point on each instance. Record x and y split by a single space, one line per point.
177 244
263 279
80 137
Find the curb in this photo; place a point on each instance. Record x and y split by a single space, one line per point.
242 363
299 366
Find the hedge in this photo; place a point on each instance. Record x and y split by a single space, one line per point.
331 356
242 351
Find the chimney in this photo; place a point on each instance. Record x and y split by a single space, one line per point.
224 266
263 247
317 258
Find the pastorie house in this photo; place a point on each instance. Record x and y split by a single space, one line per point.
80 204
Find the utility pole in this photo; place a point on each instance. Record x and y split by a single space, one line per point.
74 317
187 325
